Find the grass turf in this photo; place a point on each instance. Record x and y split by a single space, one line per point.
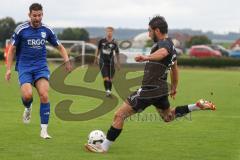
204 135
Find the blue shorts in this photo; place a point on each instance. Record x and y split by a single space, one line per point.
32 75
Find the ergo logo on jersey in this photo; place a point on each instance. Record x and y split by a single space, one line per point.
36 42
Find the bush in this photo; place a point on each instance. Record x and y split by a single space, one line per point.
209 62
198 40
1 54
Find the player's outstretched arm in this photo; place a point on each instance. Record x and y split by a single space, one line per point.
10 61
156 56
141 58
64 55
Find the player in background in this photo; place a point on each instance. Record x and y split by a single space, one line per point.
162 58
6 52
107 49
29 40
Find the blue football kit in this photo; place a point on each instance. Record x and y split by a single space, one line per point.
31 54
31 59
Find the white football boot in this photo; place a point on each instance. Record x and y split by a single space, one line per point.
44 134
27 115
96 148
108 93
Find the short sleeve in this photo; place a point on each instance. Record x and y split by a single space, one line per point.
15 39
164 44
52 38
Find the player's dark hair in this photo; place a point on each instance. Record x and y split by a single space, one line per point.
35 7
160 23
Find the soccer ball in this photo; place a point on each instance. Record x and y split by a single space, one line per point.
96 136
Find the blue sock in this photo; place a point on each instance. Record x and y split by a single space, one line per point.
27 104
44 112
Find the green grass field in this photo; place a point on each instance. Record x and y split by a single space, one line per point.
205 135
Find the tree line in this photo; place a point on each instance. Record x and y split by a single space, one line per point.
7 26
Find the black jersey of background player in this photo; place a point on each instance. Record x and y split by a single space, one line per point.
106 50
156 71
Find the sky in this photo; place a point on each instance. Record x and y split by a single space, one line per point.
219 16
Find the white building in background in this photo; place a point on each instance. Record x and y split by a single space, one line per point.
140 40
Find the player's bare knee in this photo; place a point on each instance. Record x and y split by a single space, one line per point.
27 96
44 97
168 117
165 119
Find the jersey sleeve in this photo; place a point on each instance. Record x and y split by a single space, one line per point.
169 46
52 38
175 54
15 39
173 50
164 44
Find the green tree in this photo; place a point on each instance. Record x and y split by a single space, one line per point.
198 40
74 34
7 26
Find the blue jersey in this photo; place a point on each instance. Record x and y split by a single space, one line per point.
31 45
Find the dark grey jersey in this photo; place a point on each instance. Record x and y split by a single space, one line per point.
156 71
106 50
